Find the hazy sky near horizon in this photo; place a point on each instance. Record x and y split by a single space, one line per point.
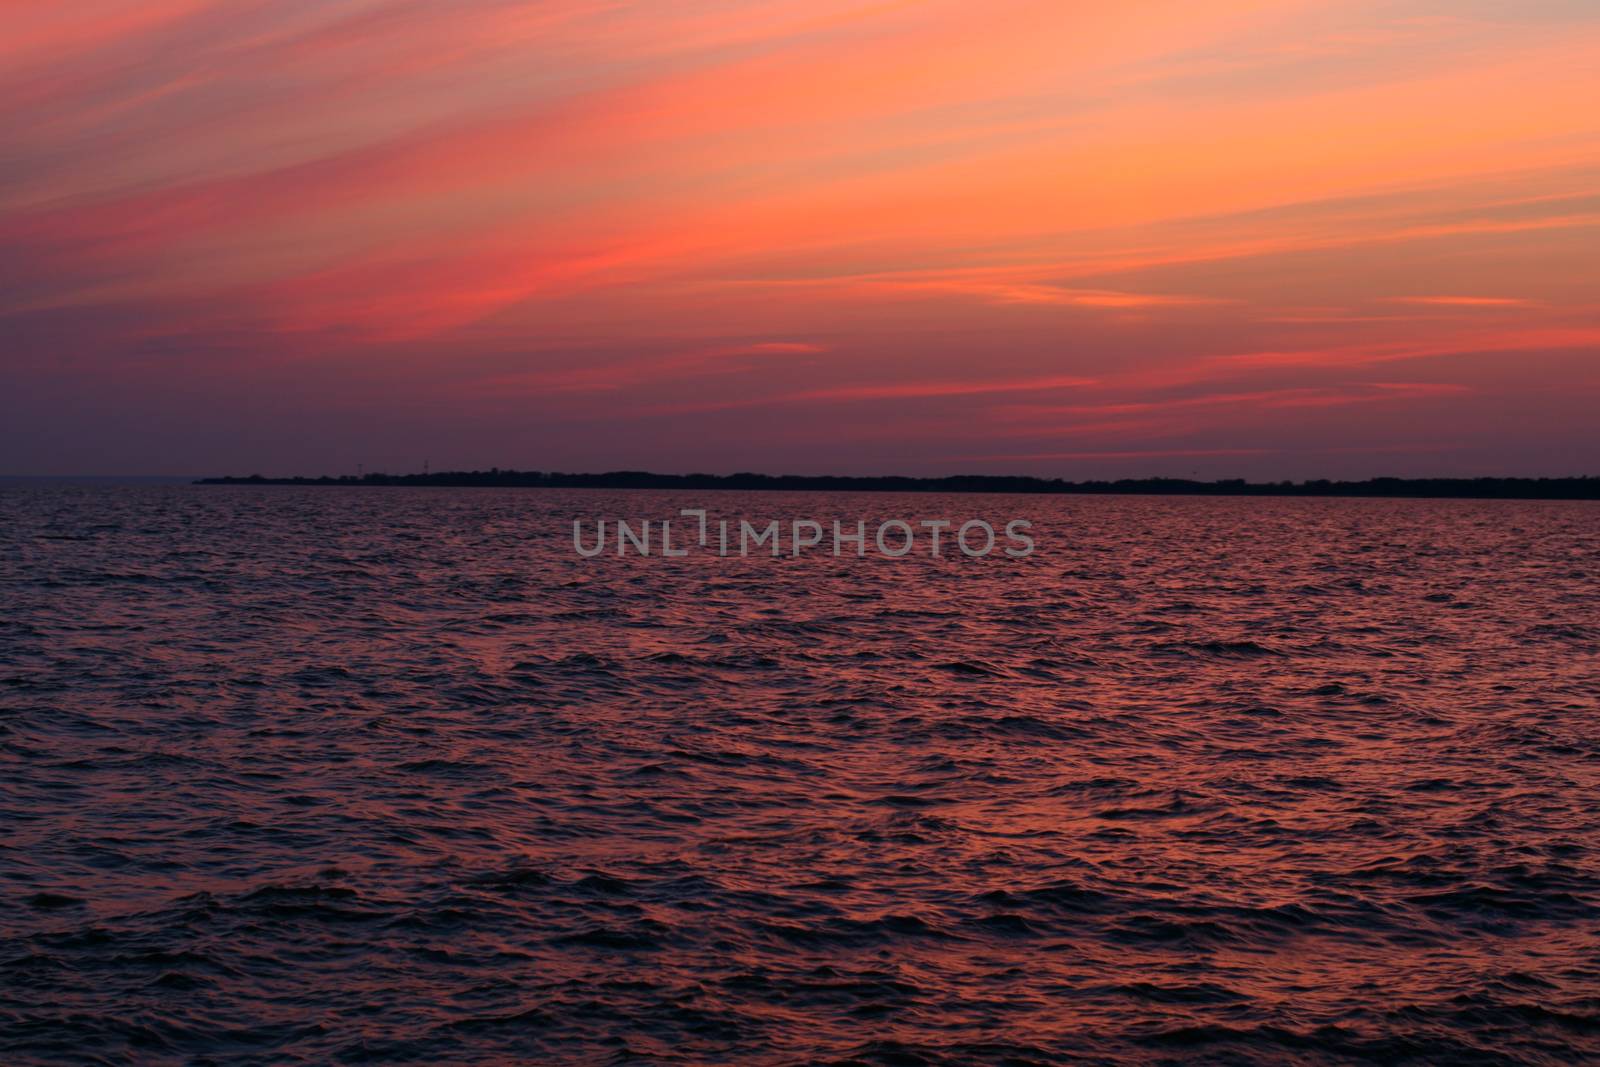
1265 239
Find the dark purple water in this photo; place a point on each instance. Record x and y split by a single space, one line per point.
311 776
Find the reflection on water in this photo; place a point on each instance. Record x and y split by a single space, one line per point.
344 775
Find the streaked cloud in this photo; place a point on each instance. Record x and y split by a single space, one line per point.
411 219
1464 301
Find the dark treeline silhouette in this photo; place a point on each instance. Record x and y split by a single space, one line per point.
1586 488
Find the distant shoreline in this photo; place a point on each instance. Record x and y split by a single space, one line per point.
1584 488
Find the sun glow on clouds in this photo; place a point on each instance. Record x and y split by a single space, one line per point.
804 235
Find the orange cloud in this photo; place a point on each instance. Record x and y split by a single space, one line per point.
903 210
1463 301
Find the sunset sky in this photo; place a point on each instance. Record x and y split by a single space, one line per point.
1228 238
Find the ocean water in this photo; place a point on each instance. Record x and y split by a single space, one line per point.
380 776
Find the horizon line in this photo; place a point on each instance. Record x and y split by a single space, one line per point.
1483 487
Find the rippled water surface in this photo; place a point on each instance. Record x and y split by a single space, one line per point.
347 775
